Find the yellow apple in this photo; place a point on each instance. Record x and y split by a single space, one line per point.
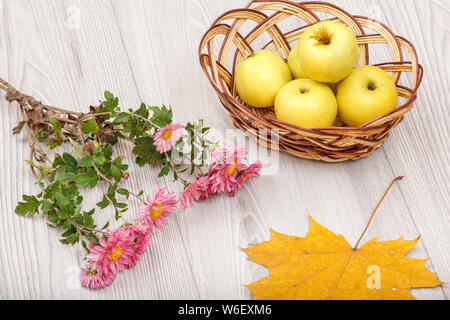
294 64
260 76
328 51
307 104
297 70
368 93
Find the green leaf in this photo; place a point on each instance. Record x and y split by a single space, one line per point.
161 116
86 162
109 105
146 151
105 226
108 151
104 203
53 216
123 117
92 238
88 179
70 230
156 156
123 192
62 175
83 243
46 207
143 111
52 189
88 220
121 205
78 218
56 125
89 126
116 173
78 200
117 215
63 213
141 161
69 161
61 200
164 171
117 162
100 160
112 190
109 95
71 239
90 212
28 207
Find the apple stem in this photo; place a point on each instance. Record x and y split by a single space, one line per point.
373 214
323 36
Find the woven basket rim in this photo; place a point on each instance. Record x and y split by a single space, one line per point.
366 126
322 142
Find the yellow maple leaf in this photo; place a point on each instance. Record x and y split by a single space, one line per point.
324 266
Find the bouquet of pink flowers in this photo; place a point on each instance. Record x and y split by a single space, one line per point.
156 140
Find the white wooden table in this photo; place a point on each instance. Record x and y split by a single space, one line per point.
67 53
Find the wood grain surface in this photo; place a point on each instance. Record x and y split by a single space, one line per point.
66 53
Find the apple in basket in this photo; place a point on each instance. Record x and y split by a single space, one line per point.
306 103
368 93
260 76
295 65
328 52
297 70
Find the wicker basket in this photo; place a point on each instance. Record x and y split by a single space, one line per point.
334 144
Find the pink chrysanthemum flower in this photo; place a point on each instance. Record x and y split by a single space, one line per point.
139 239
226 155
168 137
218 155
223 177
239 155
114 254
158 207
141 236
92 279
250 172
196 191
243 176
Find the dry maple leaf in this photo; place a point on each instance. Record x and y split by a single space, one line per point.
324 266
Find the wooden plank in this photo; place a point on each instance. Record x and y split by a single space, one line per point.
420 149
